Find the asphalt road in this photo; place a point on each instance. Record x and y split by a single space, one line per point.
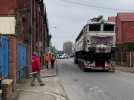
81 85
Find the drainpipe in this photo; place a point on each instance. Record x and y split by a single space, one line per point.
130 62
31 24
29 47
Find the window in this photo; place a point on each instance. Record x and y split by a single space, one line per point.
108 27
94 27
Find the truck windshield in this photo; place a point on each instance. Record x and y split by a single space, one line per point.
94 27
108 27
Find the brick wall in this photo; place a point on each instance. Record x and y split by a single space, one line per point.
118 30
112 19
7 7
125 27
125 34
40 32
128 31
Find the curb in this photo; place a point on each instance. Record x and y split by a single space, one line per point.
125 70
16 95
60 84
66 96
53 75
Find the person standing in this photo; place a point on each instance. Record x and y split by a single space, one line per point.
53 61
46 58
36 70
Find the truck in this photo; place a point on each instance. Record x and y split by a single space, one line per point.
95 45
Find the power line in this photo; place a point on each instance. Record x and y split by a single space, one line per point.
94 6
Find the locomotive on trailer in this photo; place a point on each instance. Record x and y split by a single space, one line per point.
95 45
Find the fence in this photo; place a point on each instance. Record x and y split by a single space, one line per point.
125 57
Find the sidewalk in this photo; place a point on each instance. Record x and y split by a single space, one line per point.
48 73
53 89
124 68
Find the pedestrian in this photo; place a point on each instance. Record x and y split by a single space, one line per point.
46 59
52 61
36 70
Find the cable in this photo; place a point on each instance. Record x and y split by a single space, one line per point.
95 6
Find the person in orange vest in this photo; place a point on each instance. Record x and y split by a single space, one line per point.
46 59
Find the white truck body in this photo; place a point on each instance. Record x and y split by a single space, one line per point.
95 45
87 39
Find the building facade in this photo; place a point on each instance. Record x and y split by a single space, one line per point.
112 19
125 38
31 30
67 47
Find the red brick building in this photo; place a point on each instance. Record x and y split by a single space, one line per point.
31 18
125 38
125 27
31 26
40 25
112 19
7 7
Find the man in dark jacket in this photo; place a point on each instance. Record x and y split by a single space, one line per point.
52 58
36 69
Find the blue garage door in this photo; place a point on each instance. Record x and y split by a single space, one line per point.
4 56
21 61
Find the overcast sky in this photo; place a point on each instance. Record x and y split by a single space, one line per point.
67 17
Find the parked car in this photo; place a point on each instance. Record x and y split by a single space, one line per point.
62 56
66 56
